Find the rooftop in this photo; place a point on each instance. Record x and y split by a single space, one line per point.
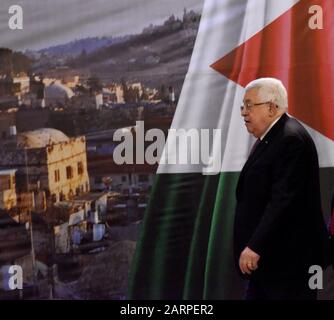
40 138
5 172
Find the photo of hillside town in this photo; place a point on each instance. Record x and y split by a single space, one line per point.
69 215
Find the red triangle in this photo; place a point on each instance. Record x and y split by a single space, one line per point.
288 49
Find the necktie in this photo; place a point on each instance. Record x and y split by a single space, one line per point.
257 142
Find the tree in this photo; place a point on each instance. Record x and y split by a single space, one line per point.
125 90
21 63
6 61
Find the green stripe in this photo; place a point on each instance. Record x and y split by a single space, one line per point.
221 279
179 250
194 283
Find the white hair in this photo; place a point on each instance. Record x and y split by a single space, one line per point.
270 89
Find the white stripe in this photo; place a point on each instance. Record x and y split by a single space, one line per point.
209 100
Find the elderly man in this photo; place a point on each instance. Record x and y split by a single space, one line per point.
279 230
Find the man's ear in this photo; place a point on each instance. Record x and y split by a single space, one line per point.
272 110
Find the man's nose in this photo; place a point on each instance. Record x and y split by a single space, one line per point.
244 112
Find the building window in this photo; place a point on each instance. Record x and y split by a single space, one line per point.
69 172
54 198
57 175
5 183
80 168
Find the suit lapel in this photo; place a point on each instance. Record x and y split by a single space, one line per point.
257 152
262 146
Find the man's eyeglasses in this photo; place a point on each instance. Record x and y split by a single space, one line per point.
249 105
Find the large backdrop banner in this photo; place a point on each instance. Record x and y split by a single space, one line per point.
122 141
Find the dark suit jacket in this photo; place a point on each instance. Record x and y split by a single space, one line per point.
278 213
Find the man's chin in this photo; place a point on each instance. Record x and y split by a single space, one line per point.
249 130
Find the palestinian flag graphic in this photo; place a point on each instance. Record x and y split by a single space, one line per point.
185 250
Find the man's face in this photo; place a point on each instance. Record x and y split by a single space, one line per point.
257 118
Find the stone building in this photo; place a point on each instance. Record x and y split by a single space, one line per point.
46 159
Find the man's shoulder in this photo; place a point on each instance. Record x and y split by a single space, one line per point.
295 134
289 128
295 130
